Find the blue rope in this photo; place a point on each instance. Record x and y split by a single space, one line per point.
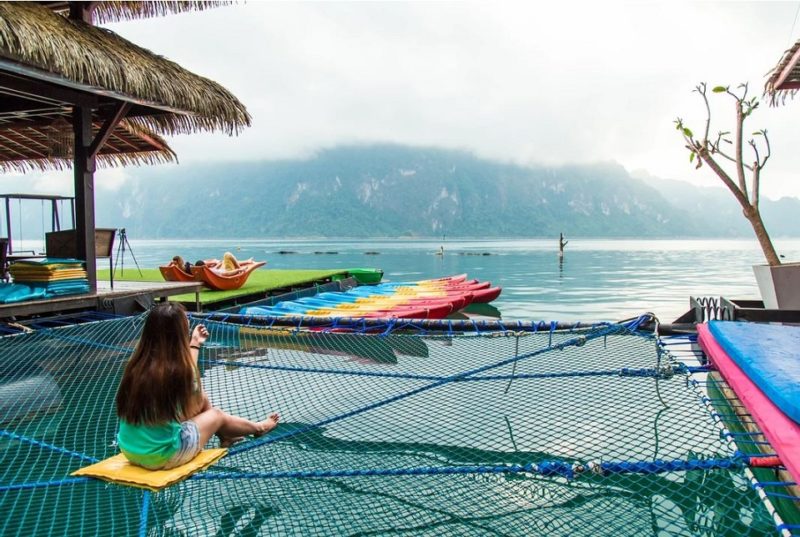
447 326
39 484
52 332
578 341
623 372
423 470
659 466
410 376
39 443
143 515
781 495
544 468
756 442
762 484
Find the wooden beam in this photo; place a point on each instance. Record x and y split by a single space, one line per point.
22 156
43 92
84 167
32 73
81 11
108 128
9 136
781 83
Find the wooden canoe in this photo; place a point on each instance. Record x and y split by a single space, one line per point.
225 281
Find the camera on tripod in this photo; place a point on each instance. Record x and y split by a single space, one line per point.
123 245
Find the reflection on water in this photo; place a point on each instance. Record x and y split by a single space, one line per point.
595 280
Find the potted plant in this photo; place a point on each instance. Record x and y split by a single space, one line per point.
779 283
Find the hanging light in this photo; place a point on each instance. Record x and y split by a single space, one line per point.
60 139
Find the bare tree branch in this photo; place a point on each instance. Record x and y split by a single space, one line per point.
718 151
756 177
701 89
769 149
738 145
755 150
706 151
726 179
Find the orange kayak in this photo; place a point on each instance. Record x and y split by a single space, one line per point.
225 281
174 273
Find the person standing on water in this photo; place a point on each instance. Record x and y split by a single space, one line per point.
561 244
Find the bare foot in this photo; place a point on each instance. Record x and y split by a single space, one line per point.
267 425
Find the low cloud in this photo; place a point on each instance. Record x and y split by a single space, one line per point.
531 82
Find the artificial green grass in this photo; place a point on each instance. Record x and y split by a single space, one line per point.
260 281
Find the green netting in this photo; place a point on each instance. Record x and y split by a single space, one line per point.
592 431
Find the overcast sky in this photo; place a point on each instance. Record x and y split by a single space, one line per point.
532 82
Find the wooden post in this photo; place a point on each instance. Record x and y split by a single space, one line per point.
8 225
84 166
81 11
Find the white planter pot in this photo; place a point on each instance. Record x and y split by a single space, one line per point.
779 286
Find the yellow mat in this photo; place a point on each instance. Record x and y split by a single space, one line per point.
119 470
27 277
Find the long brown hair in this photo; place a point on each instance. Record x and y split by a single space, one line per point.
158 384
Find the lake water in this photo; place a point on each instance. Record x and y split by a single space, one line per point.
596 279
371 422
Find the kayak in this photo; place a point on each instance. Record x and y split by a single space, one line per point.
425 299
229 281
174 273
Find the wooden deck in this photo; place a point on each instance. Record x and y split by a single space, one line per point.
136 291
120 299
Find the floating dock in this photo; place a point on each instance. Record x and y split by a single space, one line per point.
262 283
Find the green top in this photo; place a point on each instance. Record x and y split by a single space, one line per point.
149 445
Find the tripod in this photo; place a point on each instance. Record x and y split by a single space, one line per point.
121 247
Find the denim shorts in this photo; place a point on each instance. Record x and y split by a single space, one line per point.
190 445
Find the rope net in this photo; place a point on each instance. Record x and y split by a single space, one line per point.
590 431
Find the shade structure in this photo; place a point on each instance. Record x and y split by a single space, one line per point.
117 11
33 146
784 80
38 43
71 92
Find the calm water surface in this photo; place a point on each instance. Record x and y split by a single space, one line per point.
596 280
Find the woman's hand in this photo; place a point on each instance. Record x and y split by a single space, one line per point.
199 335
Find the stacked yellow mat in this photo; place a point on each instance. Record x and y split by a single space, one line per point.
56 276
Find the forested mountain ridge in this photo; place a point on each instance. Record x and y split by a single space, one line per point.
391 191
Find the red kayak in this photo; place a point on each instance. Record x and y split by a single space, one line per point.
456 302
467 286
485 296
450 279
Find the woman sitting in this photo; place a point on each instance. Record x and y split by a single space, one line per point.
230 266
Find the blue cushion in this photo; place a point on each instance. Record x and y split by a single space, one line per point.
769 355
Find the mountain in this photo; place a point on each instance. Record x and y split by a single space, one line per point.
723 213
391 191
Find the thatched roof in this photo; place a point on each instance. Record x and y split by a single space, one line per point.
784 80
175 100
30 147
104 12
